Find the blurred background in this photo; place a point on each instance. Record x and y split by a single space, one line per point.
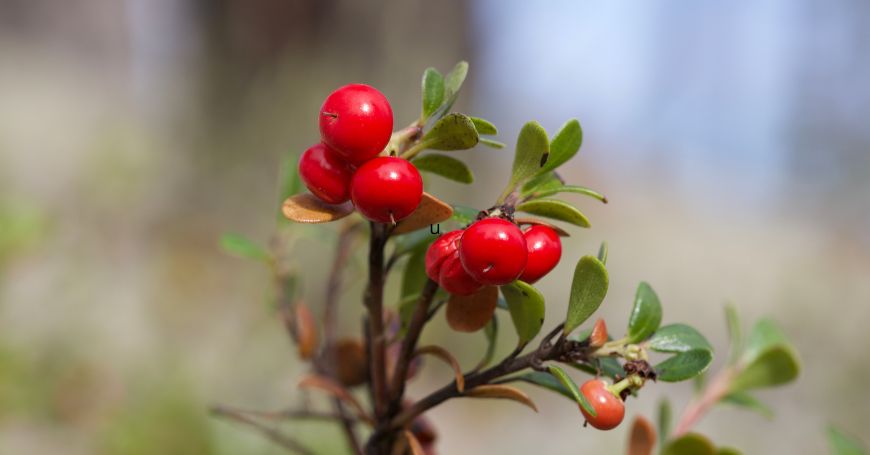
731 139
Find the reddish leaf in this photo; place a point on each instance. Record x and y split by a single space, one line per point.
501 391
472 312
430 211
442 354
642 438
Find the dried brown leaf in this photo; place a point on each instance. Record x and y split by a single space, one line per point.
313 381
535 221
430 211
303 329
351 363
442 354
642 438
471 313
307 208
501 391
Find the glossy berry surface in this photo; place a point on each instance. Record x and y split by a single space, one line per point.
544 251
326 174
493 251
609 408
442 248
386 189
454 279
356 120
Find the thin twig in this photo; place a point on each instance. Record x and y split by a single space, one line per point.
374 303
698 408
287 414
409 344
272 433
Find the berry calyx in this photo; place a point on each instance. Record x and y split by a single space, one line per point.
454 279
356 120
609 408
386 189
442 248
544 251
493 251
326 174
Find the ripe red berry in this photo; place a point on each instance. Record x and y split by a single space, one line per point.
386 189
357 121
493 251
442 248
454 279
544 248
326 174
609 408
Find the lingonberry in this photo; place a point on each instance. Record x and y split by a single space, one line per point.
493 251
386 189
442 248
357 121
544 250
608 407
326 174
454 279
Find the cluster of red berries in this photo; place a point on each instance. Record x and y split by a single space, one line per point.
356 122
492 252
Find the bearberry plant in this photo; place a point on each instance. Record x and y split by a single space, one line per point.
469 266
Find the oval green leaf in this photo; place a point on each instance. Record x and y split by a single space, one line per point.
747 401
646 315
555 209
532 150
689 444
452 132
526 305
484 126
491 143
776 366
452 83
543 380
414 276
433 92
241 246
843 444
564 146
551 190
588 289
491 333
684 365
445 166
569 384
678 338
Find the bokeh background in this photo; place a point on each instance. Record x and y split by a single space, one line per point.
731 139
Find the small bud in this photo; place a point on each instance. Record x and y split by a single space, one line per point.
599 334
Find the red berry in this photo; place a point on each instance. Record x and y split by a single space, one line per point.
439 250
544 248
326 174
454 279
493 251
386 189
608 407
357 121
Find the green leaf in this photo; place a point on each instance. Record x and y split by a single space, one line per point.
491 143
539 183
734 335
646 315
664 420
684 365
602 253
555 209
551 190
768 359
843 444
564 145
776 366
678 338
414 276
491 333
533 146
452 83
588 289
689 444
464 215
484 126
445 166
544 380
433 92
609 367
452 132
728 451
569 384
526 305
239 245
745 400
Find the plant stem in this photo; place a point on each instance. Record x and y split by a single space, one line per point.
374 303
697 408
270 432
409 344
